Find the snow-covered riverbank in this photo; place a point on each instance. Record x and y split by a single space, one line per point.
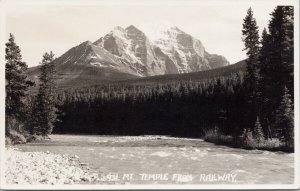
45 168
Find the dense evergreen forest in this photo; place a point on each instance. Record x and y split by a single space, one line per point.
183 108
248 107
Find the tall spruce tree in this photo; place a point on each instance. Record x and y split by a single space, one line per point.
278 60
16 86
251 41
264 82
44 109
282 32
285 119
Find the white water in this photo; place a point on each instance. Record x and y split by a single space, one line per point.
189 161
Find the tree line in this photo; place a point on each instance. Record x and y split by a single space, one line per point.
256 104
183 108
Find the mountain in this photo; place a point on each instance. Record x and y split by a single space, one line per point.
131 53
158 50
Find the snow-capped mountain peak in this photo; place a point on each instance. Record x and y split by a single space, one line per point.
145 50
156 31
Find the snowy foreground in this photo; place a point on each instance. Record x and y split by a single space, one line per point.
44 168
143 160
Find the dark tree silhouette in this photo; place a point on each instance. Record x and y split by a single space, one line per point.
44 111
16 86
251 83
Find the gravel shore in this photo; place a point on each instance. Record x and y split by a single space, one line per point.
45 168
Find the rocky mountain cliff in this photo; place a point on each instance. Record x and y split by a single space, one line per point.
144 51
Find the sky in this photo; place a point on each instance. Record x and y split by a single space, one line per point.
41 26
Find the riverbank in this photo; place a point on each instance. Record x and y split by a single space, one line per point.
247 142
45 168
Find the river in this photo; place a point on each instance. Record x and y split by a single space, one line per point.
167 160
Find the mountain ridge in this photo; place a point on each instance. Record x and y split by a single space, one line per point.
171 51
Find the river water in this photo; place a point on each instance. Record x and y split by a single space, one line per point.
167 160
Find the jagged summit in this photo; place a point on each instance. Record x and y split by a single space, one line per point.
132 27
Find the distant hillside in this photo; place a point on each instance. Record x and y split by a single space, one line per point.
81 75
74 76
198 76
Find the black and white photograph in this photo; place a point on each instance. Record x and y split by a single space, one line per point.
149 94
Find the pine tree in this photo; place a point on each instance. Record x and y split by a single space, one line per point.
285 120
16 84
258 134
281 29
265 82
44 111
277 59
288 47
251 41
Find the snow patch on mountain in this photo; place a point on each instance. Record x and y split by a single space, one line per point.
178 45
156 31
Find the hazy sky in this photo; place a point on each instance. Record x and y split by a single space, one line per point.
41 26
